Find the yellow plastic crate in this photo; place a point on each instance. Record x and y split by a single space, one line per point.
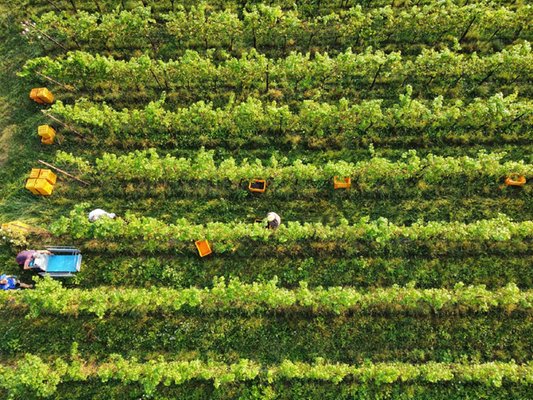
42 96
46 131
30 185
35 172
44 187
48 175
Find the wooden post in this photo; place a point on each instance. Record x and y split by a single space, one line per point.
68 87
63 172
56 7
34 26
62 123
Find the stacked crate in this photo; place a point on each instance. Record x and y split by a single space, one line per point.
41 182
42 96
47 134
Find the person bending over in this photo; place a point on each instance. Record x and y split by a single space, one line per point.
24 258
273 220
99 213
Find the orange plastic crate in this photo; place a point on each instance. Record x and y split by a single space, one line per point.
42 96
345 183
48 175
203 247
47 141
257 185
515 180
34 95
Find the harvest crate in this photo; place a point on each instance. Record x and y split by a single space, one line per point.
203 247
44 187
515 180
30 185
344 183
48 175
42 96
47 134
257 186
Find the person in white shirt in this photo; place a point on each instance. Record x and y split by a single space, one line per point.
99 213
273 220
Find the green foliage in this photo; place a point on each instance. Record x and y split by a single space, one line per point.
149 165
280 28
26 374
33 375
194 76
270 338
237 57
50 297
326 270
150 234
239 123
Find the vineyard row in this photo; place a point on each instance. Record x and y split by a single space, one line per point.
155 234
287 78
50 297
148 165
32 374
266 28
254 120
308 6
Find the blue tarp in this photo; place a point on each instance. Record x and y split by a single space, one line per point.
63 263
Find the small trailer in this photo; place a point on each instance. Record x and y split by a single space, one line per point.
64 262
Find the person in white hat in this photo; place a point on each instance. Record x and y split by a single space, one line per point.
99 213
273 220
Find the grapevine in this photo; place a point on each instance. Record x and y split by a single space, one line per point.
254 73
246 120
265 27
32 374
50 297
153 234
149 165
